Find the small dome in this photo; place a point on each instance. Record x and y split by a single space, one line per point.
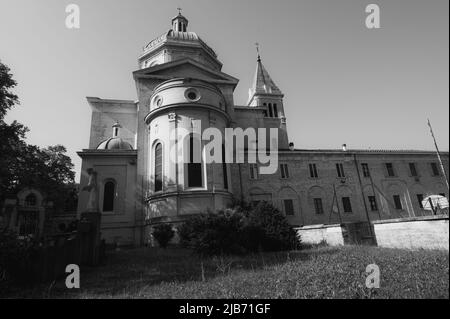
114 143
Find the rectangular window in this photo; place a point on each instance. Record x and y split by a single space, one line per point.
318 206
284 170
313 171
270 110
420 199
413 169
275 110
365 169
194 167
397 202
434 169
253 171
340 170
373 203
390 169
347 204
289 207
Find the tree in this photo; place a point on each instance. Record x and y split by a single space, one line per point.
23 165
7 83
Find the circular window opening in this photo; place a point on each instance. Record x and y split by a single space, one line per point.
157 101
192 95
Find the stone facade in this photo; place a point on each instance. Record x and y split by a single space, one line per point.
180 83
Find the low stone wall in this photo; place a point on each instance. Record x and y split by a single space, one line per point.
429 232
315 234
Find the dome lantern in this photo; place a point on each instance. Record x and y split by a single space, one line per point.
179 23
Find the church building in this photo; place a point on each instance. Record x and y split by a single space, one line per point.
180 84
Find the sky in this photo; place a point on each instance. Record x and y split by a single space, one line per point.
343 82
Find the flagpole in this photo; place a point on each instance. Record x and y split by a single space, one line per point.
439 156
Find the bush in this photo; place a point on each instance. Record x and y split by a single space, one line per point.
163 234
239 230
17 257
271 228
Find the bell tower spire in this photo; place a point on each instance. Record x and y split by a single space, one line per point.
180 23
263 85
265 94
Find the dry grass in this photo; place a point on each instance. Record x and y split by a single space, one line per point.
324 272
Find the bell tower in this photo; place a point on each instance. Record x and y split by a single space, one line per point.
265 94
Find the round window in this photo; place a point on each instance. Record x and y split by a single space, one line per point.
157 101
192 95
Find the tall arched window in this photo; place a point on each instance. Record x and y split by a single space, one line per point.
158 168
194 167
224 169
108 196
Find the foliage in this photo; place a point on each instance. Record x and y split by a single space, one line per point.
163 233
7 83
239 230
23 165
16 257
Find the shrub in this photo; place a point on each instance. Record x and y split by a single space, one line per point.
239 230
17 257
272 228
163 233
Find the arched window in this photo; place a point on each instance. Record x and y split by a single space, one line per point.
194 166
270 110
31 200
158 168
275 110
224 169
108 196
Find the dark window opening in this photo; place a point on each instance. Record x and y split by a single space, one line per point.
435 169
313 171
289 207
270 110
340 170
275 110
284 170
413 169
194 169
397 202
365 169
224 169
253 171
108 196
390 169
158 168
347 204
318 205
373 203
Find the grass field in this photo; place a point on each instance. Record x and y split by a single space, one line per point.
327 272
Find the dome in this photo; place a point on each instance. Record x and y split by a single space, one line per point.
114 143
178 36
